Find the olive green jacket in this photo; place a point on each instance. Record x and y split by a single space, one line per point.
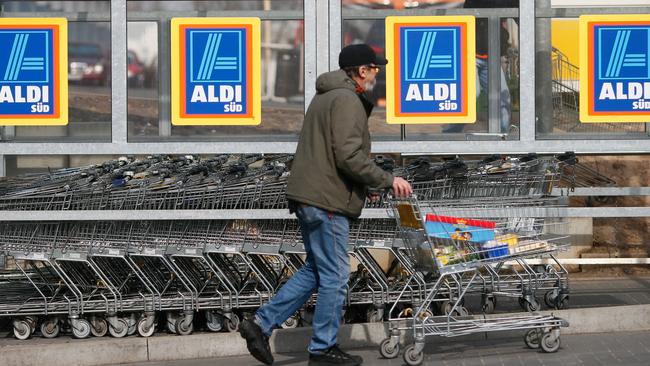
332 168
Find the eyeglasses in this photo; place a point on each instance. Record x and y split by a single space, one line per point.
373 67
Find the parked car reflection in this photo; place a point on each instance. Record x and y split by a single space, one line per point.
87 64
135 70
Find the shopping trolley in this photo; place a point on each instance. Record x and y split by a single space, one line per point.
566 101
444 255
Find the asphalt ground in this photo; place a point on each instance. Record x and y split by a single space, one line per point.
622 348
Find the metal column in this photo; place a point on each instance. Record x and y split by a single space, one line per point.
322 37
527 78
311 50
494 74
335 26
164 78
118 72
543 70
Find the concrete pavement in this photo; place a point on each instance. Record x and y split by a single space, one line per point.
621 348
591 311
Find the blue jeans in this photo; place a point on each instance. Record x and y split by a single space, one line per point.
482 83
327 270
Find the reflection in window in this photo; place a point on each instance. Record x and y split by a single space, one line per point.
558 107
214 5
142 78
400 4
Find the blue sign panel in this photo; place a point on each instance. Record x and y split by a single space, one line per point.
33 83
430 78
26 73
214 76
622 68
615 79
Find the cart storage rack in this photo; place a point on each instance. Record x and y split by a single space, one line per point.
123 277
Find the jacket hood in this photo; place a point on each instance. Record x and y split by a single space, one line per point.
334 80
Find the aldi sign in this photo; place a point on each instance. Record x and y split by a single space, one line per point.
216 71
431 74
615 68
33 72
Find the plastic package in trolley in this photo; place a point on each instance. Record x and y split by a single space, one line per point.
460 228
458 239
529 245
494 249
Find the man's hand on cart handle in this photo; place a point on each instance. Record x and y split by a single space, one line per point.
401 188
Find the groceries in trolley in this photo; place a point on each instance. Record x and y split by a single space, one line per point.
458 240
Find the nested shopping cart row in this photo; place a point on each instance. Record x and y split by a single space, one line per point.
123 277
155 183
126 277
259 182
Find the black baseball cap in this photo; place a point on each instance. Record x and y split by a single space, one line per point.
359 55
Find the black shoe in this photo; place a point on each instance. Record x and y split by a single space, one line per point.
334 356
256 341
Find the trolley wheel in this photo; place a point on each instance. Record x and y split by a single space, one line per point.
50 328
141 328
532 338
82 330
121 331
184 327
98 327
232 323
562 302
32 323
549 298
445 307
411 357
550 343
22 330
290 323
171 322
461 311
488 306
214 322
372 316
532 306
386 351
132 322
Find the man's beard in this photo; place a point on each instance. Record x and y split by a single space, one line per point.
369 85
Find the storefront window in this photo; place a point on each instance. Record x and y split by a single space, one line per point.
89 71
282 76
363 26
558 72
